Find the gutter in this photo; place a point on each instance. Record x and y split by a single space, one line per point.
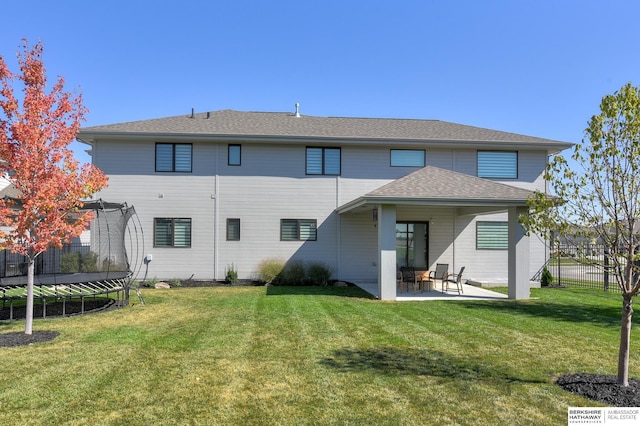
90 137
441 202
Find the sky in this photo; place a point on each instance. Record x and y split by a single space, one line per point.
534 67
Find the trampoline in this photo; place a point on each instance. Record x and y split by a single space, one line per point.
97 266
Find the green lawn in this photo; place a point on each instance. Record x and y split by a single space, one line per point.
301 355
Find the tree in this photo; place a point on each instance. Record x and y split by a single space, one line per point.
600 198
34 142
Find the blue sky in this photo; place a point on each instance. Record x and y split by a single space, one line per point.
532 67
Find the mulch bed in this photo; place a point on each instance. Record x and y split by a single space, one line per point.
602 388
205 283
18 338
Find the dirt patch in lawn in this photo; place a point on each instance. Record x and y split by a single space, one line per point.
602 388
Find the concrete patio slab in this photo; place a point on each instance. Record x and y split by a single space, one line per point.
469 293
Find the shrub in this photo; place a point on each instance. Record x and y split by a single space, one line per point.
270 271
175 282
231 275
294 273
70 262
89 262
319 273
151 282
546 279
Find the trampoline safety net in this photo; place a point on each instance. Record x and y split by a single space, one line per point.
103 259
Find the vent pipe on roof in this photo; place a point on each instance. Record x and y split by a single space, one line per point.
297 109
208 114
193 113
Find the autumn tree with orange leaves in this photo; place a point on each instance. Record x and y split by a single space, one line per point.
34 152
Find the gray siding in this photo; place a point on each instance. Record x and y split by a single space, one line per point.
271 185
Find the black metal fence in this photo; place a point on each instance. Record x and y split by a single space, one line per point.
582 265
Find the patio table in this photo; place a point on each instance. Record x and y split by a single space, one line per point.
422 276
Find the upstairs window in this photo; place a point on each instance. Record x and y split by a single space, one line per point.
492 235
498 164
298 230
234 155
170 232
407 158
323 161
173 157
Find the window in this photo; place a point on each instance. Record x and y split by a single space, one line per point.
168 232
498 164
407 158
298 230
173 157
234 155
323 161
233 229
492 235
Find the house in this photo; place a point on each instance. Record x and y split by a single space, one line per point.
362 195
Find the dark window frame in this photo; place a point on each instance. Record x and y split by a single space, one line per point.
229 228
172 235
173 157
323 171
314 223
239 163
412 232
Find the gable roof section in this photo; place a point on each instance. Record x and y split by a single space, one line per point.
230 124
435 186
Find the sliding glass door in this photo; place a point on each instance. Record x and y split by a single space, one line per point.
412 244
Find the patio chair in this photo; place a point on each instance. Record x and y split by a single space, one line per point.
440 274
455 279
400 281
409 277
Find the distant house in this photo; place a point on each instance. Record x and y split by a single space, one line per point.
4 182
362 195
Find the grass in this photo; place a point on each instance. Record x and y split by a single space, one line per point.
304 355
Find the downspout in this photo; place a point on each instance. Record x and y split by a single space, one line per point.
338 229
216 183
455 214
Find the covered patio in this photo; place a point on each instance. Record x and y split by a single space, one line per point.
456 196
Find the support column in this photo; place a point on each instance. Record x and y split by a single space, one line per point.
518 256
387 252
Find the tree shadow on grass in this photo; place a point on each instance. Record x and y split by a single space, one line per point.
569 312
414 362
350 291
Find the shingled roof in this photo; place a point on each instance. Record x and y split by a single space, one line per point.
435 186
226 124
